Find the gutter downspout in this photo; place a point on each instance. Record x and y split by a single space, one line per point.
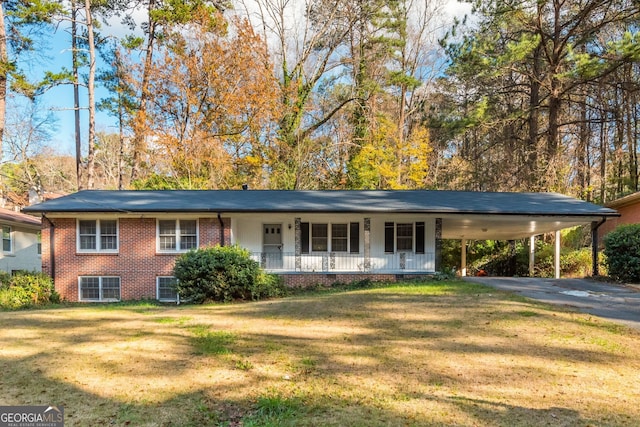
221 230
52 248
594 246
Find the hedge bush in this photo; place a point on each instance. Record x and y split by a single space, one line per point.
622 251
223 273
25 290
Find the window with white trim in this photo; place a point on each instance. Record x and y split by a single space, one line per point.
319 237
166 289
99 288
175 235
339 237
401 237
7 240
404 237
97 235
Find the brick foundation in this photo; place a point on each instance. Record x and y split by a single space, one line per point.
302 280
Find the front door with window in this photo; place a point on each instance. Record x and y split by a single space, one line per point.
272 246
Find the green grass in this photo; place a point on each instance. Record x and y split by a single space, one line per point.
273 410
432 353
206 341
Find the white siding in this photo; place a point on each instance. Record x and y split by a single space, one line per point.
247 231
24 255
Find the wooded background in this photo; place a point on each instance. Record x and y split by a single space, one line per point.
327 94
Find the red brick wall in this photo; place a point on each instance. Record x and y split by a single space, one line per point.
630 214
136 263
302 280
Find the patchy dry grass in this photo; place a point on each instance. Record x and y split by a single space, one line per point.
415 355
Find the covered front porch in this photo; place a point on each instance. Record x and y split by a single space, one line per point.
368 248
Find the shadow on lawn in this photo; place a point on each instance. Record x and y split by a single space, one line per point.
337 340
205 407
477 324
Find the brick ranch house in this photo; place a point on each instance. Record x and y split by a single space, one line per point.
119 245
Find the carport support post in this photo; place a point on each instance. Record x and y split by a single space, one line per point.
557 255
532 256
463 258
438 242
594 248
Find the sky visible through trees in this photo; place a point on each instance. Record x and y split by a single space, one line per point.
323 94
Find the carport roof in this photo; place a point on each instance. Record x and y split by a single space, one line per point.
472 215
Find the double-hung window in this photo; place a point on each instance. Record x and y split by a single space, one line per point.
175 235
97 235
319 237
167 289
7 241
337 237
404 237
98 288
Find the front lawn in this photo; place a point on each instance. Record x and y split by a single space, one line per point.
438 353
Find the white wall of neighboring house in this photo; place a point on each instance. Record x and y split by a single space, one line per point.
24 249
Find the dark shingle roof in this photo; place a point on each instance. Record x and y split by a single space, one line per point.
414 201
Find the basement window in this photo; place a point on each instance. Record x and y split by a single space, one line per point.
99 288
166 289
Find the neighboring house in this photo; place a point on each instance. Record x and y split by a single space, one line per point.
20 242
113 245
629 209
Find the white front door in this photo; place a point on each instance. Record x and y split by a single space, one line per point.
272 246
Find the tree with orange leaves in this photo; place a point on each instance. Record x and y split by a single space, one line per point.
214 97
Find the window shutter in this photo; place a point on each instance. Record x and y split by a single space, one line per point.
419 237
354 237
388 237
304 237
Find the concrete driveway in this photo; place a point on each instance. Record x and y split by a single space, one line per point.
617 303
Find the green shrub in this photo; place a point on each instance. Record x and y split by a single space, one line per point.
622 251
27 290
576 262
222 273
5 279
573 262
267 286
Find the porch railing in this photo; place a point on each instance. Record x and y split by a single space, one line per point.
345 262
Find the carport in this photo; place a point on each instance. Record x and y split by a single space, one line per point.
514 216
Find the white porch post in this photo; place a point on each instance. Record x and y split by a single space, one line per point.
532 255
463 258
557 254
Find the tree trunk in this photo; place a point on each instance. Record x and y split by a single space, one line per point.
76 93
534 117
140 126
582 151
4 61
91 94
